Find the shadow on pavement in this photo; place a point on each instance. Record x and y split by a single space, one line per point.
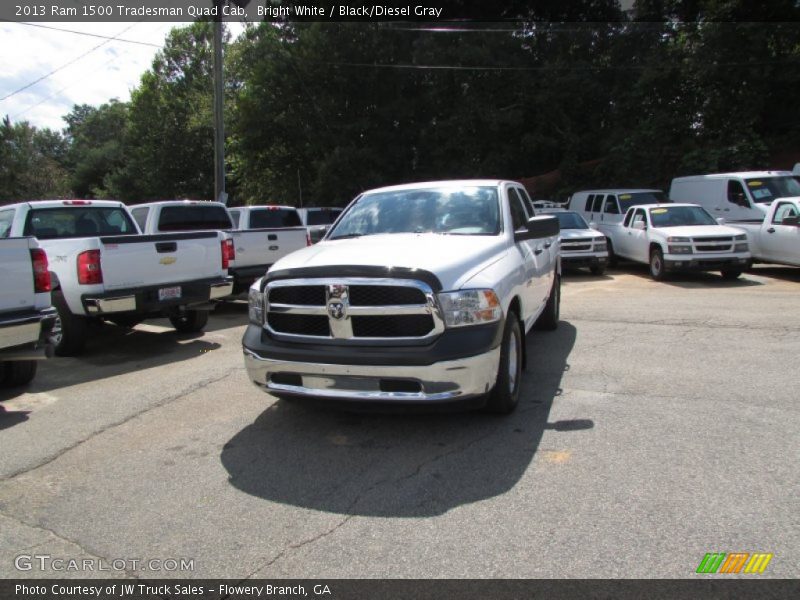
400 466
9 418
688 279
777 272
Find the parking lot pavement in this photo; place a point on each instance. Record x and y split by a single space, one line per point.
658 423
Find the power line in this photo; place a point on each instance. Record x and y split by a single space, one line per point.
65 65
86 33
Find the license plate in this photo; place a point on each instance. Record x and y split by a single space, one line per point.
169 293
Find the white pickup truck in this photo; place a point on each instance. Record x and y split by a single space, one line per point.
26 317
420 294
680 237
259 239
776 239
103 269
581 245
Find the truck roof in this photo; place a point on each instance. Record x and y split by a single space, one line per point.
444 183
179 202
618 191
743 174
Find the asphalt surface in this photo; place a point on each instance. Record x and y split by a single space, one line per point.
658 423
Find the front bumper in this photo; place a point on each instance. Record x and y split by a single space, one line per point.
584 259
25 336
695 262
440 382
145 300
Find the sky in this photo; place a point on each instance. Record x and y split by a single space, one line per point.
108 70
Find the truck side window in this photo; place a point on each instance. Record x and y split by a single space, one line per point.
140 216
736 194
6 219
518 216
628 218
526 200
638 216
611 207
589 200
785 209
598 203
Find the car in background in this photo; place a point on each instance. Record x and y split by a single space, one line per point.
318 220
581 246
777 238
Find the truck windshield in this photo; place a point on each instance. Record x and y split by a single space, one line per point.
627 200
570 220
77 222
274 217
324 216
193 217
680 216
454 210
766 189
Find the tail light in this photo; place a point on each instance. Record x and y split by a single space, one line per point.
228 253
89 270
41 273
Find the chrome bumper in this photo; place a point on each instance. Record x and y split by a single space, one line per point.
439 382
220 290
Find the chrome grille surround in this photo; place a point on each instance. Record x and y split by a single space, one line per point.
339 311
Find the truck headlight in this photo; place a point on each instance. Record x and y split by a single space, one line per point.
470 307
600 244
740 238
679 249
741 247
255 304
679 240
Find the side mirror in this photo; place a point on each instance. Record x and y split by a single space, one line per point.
639 225
791 220
720 220
538 228
592 225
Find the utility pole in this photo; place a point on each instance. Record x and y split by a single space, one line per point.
219 128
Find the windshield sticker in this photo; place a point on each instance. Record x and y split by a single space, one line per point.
624 196
762 193
658 211
755 183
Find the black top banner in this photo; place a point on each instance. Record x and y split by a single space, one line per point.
399 589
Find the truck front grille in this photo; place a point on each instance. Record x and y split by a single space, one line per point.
352 310
713 244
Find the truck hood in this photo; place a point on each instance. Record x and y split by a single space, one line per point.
454 259
698 231
571 234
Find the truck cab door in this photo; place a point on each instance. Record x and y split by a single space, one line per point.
778 241
533 257
636 243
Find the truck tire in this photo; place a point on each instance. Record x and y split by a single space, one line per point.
657 270
548 320
503 399
731 274
612 258
191 321
68 335
18 372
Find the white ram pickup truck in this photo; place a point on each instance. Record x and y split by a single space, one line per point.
256 246
103 269
680 237
776 239
26 317
420 294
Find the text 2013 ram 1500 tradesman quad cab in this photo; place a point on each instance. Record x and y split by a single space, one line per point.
420 294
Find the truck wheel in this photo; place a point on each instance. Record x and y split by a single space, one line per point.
612 258
503 399
657 270
731 274
19 372
597 269
548 320
68 335
191 321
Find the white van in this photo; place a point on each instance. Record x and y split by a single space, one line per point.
735 197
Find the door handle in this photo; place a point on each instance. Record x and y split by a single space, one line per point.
771 230
538 251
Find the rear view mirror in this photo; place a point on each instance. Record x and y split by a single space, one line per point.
791 220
